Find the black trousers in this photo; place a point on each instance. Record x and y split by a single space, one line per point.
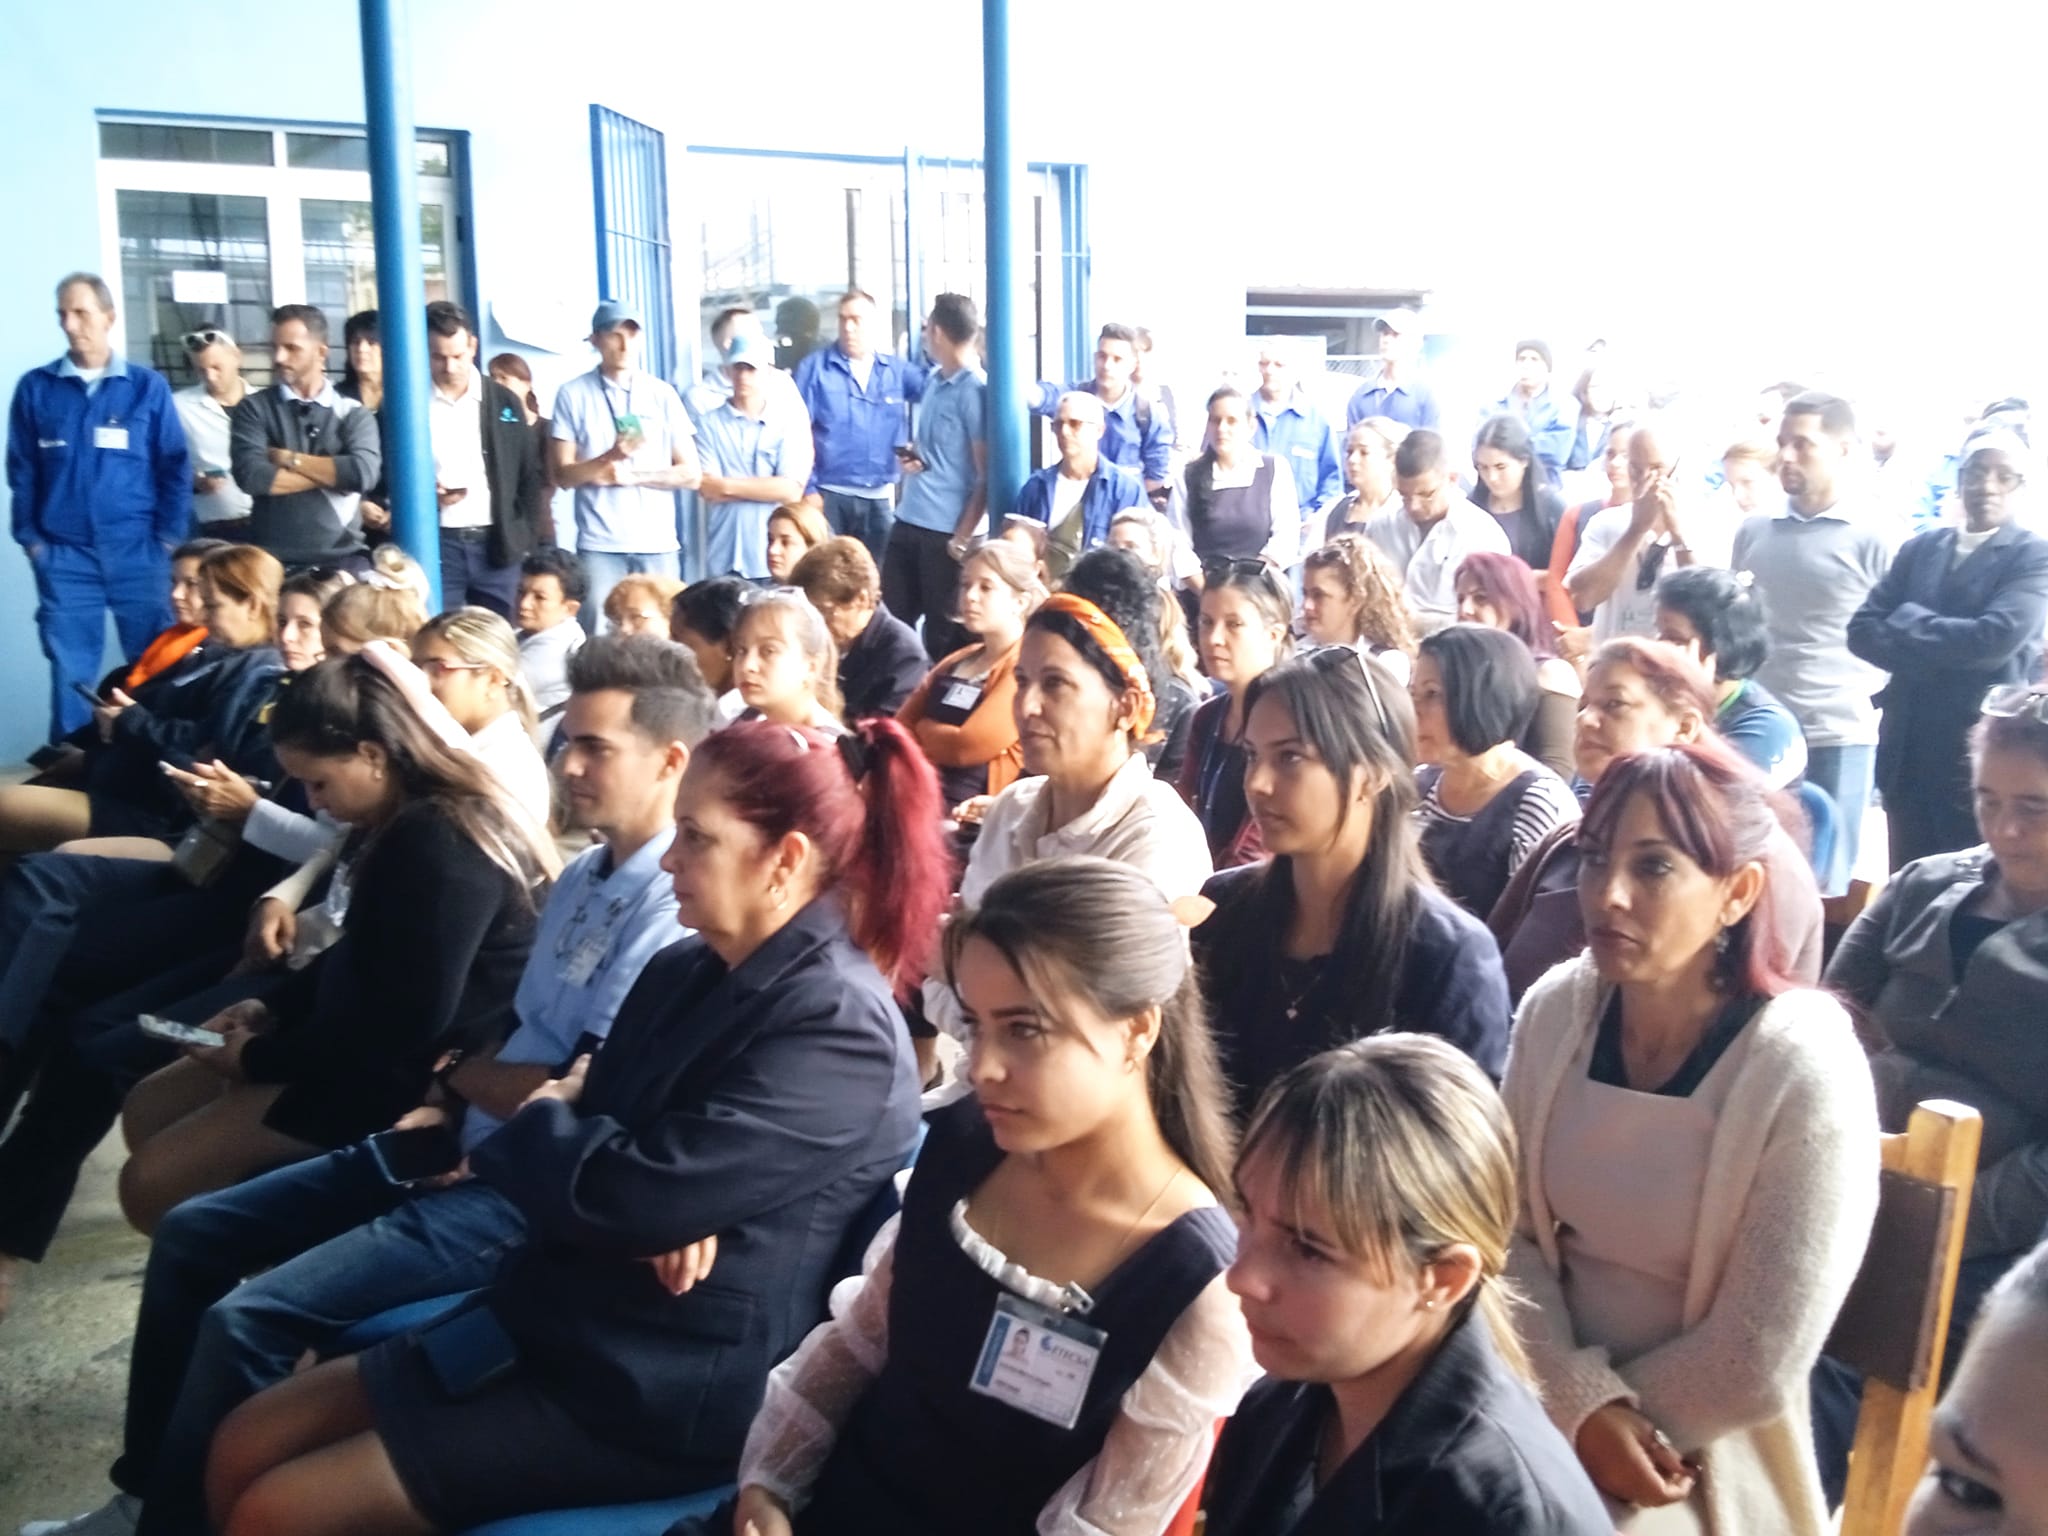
921 586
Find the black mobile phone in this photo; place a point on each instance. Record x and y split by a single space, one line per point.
423 1152
468 1352
89 696
907 452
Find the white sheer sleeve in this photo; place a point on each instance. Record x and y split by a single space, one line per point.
1160 1442
811 1393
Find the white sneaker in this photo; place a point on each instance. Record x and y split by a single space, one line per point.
116 1517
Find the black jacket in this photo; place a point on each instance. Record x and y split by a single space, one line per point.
882 667
766 1106
512 469
1466 1449
1947 633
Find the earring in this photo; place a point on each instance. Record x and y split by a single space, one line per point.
1721 942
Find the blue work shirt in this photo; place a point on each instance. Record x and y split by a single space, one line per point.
856 430
1110 490
596 934
1550 430
1296 434
951 420
97 464
1144 448
1410 402
733 443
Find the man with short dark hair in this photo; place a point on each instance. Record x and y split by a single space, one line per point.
1398 394
859 398
305 453
1134 435
1436 526
945 493
101 485
1288 424
487 470
1813 565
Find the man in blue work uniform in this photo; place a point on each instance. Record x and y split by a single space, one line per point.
1551 428
1077 497
101 485
1398 393
1286 424
859 400
1134 435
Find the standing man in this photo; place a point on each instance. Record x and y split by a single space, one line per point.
487 474
1286 424
219 506
1551 431
1814 564
101 486
1134 435
623 444
752 464
859 399
1436 526
945 493
1624 550
304 453
1078 497
1398 394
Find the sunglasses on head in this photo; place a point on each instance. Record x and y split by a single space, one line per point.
2011 701
1327 658
1217 566
199 341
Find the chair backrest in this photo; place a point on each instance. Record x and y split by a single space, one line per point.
1823 828
1895 1322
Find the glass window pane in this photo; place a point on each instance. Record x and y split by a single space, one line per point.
327 151
341 255
188 141
162 233
434 157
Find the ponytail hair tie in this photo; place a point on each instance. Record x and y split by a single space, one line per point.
858 754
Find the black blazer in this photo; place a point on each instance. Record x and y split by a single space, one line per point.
1467 1448
1947 633
766 1106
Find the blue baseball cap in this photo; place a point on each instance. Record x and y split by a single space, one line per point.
613 313
748 349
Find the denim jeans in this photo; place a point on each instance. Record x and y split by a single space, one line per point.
607 569
468 577
345 1245
1845 773
867 518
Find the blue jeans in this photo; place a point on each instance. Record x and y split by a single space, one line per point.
867 518
1845 773
345 1245
607 569
75 587
469 578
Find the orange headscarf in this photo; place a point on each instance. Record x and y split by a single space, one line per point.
1103 630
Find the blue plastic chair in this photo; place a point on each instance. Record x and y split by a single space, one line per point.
1825 822
387 1325
649 1519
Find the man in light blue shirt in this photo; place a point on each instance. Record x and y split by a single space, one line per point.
622 443
338 1239
752 464
945 489
1397 393
1286 424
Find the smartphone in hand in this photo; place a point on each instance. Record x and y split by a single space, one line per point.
177 1033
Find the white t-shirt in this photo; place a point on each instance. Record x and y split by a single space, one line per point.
1627 610
207 433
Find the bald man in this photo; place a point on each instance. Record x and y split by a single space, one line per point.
1623 550
1077 497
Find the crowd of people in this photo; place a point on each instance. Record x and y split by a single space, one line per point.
1295 982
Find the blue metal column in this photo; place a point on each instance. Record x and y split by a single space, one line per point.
1003 173
395 203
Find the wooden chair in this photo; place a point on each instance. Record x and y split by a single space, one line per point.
1895 1322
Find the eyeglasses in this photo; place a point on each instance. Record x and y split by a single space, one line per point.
2014 701
433 666
1330 657
1992 474
199 341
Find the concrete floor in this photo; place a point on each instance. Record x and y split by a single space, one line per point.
64 1357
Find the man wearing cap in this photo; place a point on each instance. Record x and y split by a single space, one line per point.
622 444
101 485
752 464
1551 430
1287 424
220 506
1398 394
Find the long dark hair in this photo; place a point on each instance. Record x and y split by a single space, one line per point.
337 706
1511 436
1350 709
1101 931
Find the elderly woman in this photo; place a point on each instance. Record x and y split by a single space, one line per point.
881 660
1960 610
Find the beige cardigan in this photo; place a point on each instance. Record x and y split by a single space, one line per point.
1789 1196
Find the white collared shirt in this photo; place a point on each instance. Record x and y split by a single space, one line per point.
456 429
1428 559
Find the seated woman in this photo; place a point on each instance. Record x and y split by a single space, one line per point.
1500 592
1699 1163
1246 614
702 618
470 661
881 660
1143 532
1715 616
1513 487
439 917
1486 803
1351 595
784 665
1369 472
1990 1439
374 608
639 604
686 1190
962 714
1641 694
1377 1189
1341 933
213 711
1070 1203
794 530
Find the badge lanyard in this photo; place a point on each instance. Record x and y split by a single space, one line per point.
1037 1360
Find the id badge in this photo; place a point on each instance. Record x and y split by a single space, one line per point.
584 960
960 695
1037 1361
114 438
